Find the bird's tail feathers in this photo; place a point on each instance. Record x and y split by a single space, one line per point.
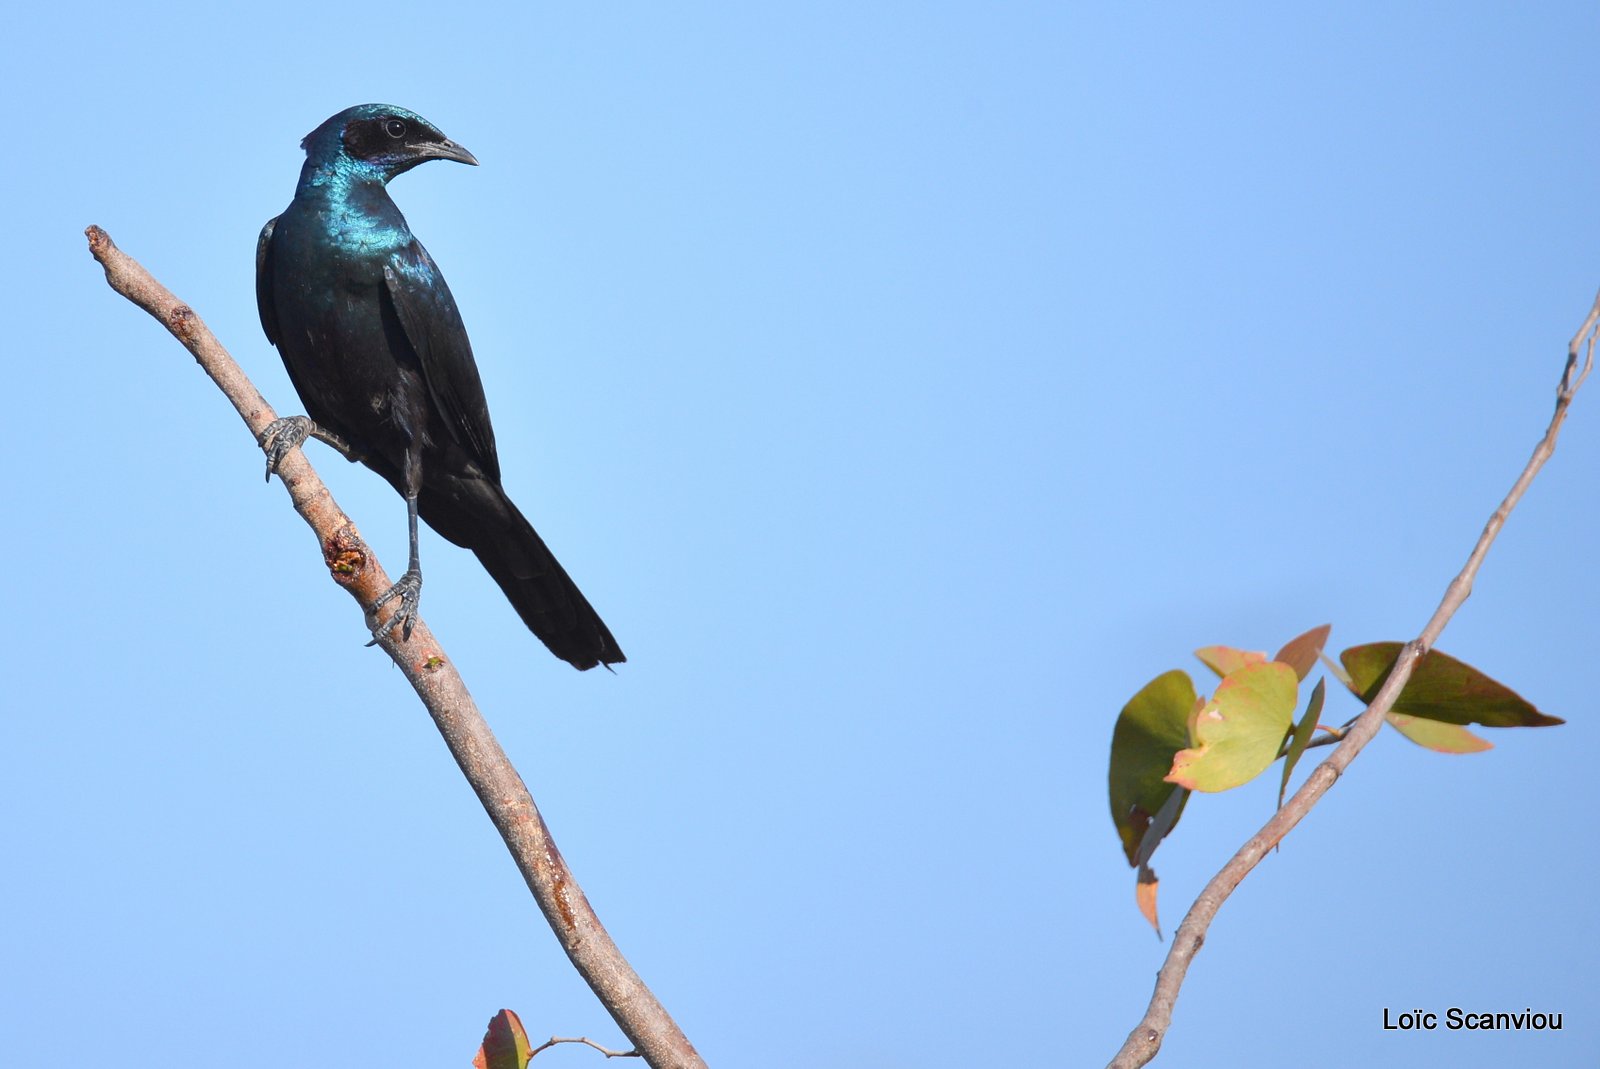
479 516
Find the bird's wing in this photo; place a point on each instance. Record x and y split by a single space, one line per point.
432 324
264 305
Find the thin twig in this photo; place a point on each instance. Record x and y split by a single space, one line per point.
1145 1040
353 566
586 1041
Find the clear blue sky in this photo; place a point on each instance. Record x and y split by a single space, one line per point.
907 384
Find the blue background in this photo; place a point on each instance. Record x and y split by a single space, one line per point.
907 384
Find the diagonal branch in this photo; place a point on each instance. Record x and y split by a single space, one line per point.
1145 1040
498 786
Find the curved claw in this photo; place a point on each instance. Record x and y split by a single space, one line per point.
281 436
409 591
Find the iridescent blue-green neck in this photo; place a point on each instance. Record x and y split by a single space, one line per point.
339 176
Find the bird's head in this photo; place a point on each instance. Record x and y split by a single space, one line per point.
376 142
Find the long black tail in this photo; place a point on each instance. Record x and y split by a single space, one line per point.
477 514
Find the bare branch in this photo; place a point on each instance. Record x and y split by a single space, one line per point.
353 566
586 1041
1145 1040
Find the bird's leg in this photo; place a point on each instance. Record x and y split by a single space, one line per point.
289 432
409 588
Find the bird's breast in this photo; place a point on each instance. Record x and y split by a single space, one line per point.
356 235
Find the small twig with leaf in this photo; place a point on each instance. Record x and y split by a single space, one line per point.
506 1044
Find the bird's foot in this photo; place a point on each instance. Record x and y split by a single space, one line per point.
281 436
409 591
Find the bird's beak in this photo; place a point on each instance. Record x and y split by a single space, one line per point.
446 150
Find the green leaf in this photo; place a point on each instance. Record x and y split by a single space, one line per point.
1163 822
1301 653
505 1044
1302 730
1225 659
1237 734
1441 688
1445 738
1151 728
1337 671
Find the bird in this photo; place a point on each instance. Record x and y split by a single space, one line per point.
375 346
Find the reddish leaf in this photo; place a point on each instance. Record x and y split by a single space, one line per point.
1225 659
505 1044
1144 893
1160 824
1301 653
1441 688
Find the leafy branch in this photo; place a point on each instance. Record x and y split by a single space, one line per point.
1265 689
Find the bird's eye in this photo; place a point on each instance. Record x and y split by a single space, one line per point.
395 128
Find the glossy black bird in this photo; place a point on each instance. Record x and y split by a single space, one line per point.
377 351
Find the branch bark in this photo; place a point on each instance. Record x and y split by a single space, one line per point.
353 566
1145 1039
